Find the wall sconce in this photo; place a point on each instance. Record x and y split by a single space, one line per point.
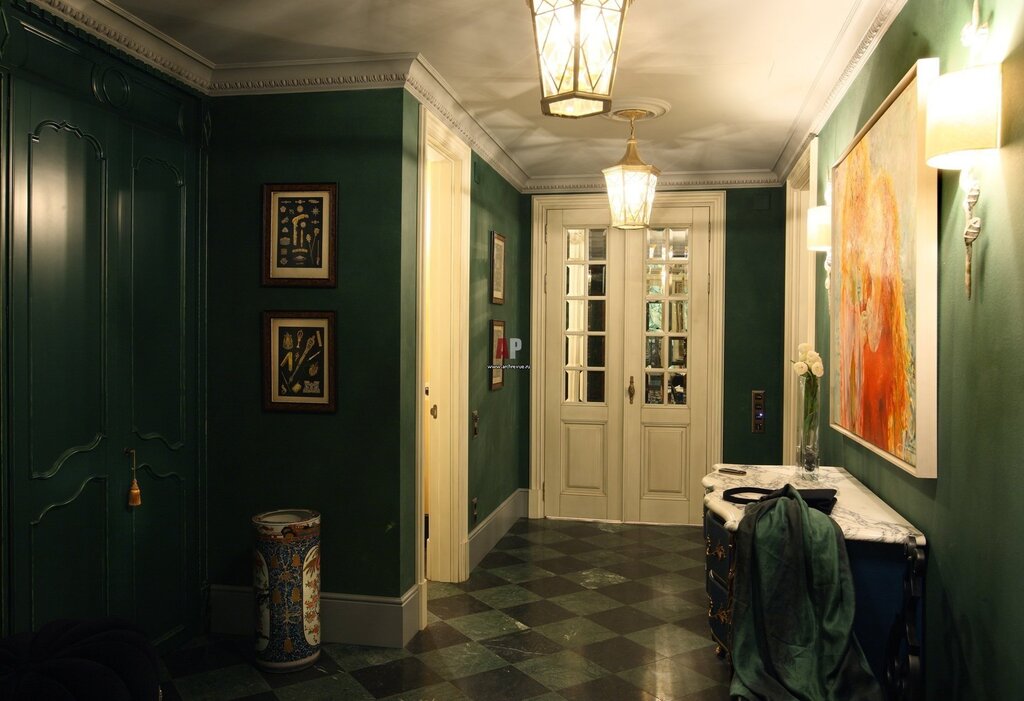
819 235
962 126
631 182
577 45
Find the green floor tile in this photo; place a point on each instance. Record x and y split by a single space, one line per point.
545 536
583 603
600 558
439 590
352 657
535 552
669 608
338 686
562 669
438 692
503 597
574 632
595 578
457 661
489 624
669 640
231 682
667 680
525 572
672 583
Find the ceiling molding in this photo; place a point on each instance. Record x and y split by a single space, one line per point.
311 76
136 38
806 125
716 180
427 86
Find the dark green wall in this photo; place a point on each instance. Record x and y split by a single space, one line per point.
355 465
755 270
971 514
499 458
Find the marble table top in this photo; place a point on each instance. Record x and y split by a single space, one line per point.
858 511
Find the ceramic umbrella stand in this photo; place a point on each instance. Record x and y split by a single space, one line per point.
286 579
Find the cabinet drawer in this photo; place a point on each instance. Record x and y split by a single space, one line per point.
718 542
719 613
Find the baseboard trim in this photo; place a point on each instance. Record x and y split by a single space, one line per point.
486 535
354 619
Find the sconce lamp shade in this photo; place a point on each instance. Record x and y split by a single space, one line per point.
577 46
819 228
963 116
631 184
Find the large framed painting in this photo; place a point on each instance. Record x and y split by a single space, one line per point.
883 369
300 235
298 361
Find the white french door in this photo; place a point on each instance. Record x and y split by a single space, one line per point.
626 365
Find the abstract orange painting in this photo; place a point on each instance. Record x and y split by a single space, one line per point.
884 276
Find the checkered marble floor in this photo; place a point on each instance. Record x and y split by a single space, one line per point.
558 610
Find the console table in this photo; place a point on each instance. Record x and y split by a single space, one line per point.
886 557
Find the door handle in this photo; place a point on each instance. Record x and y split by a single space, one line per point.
433 411
134 493
631 390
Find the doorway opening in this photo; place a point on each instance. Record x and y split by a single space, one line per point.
443 323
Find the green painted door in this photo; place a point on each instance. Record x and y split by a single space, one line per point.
102 340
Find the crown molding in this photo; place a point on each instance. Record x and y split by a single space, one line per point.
137 39
819 107
709 180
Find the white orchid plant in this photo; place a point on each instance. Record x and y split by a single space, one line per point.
810 368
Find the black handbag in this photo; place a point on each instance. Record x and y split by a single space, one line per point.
821 499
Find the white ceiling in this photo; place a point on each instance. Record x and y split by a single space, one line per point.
746 80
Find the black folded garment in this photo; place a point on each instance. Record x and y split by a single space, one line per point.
103 659
821 499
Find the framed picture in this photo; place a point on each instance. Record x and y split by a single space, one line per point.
300 235
498 346
298 361
883 365
497 268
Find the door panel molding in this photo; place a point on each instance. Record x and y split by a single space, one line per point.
542 284
141 342
63 566
50 256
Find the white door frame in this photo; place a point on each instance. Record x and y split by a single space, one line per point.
716 319
801 193
449 551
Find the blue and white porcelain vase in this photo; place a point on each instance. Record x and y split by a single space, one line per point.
286 580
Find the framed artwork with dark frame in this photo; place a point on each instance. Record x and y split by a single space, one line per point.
497 268
300 235
497 366
298 361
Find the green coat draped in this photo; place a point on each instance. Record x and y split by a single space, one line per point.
793 605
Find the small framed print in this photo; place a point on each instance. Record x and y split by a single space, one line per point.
498 346
298 361
300 234
497 268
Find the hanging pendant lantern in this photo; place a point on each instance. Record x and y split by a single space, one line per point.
577 45
631 182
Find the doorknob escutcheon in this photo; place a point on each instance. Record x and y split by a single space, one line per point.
631 390
433 411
